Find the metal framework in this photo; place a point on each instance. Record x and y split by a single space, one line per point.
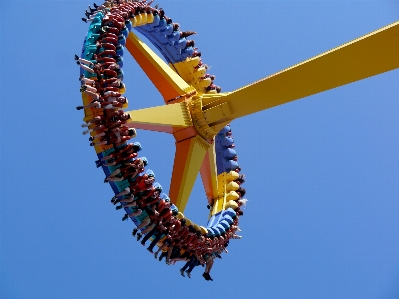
195 118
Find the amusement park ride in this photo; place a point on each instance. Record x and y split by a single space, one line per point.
195 113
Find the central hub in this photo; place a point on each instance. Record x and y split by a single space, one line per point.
199 118
209 119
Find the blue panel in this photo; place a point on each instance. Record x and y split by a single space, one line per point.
211 221
219 163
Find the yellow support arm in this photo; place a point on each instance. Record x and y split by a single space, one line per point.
367 56
168 119
209 174
188 160
168 83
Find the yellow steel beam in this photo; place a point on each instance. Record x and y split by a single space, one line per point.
209 174
188 160
168 83
370 55
169 119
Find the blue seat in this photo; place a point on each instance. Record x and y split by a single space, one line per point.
168 29
230 165
149 171
161 25
173 208
227 141
124 32
229 212
137 144
181 43
225 224
119 60
211 232
128 25
174 37
229 153
188 52
156 21
119 50
122 39
228 219
165 197
216 231
120 74
224 130
221 228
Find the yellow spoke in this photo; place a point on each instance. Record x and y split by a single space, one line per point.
367 56
168 83
188 160
209 174
169 119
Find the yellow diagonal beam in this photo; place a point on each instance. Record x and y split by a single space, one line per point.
209 174
169 119
370 55
188 160
168 83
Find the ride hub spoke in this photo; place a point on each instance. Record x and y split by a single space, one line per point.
370 55
168 83
188 160
168 119
209 174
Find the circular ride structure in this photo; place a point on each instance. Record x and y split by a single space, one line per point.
198 116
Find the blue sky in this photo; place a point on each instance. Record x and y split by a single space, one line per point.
322 173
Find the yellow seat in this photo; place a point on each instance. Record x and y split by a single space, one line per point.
134 21
205 82
143 18
204 231
232 195
188 222
150 18
138 20
231 204
193 62
232 175
200 72
232 186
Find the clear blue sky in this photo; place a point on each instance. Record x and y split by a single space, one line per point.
322 173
